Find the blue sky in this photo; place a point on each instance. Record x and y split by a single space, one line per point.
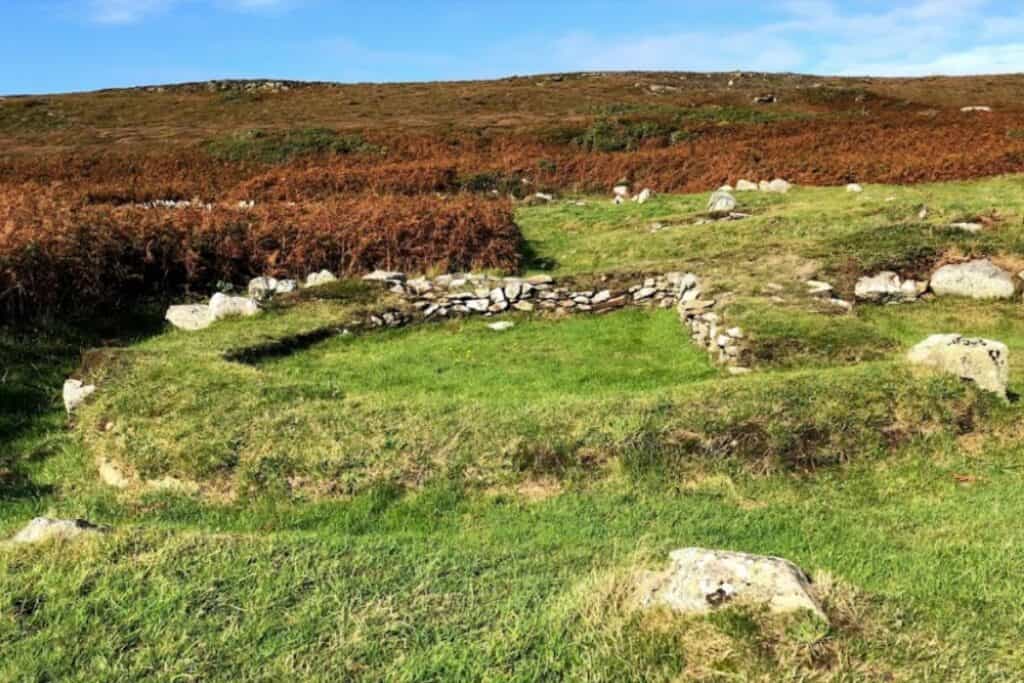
64 45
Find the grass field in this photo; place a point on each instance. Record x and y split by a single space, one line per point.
447 502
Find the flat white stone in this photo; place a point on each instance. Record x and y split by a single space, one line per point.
978 279
699 581
225 306
43 529
191 317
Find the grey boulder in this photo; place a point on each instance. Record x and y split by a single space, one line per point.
979 279
721 204
190 317
982 361
699 581
75 393
224 306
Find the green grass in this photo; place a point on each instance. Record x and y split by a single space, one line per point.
450 503
276 147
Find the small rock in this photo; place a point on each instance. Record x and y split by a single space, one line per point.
190 317
778 186
375 276
601 297
968 227
982 361
854 188
746 186
976 108
818 288
699 581
43 529
502 326
324 277
524 306
643 293
721 204
262 287
224 306
980 279
75 394
887 287
540 280
644 196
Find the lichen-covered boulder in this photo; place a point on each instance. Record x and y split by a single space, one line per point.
191 317
43 529
982 361
699 581
980 279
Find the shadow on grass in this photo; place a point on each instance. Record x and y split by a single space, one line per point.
35 358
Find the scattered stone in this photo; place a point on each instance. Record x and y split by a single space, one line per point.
75 394
502 326
979 279
976 108
982 361
262 288
225 306
324 277
699 581
766 99
854 188
621 191
887 287
818 288
746 186
191 317
644 196
737 371
375 276
721 204
841 303
644 293
968 227
725 188
778 186
43 529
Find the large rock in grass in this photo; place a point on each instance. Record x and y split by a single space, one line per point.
43 529
191 317
699 581
982 361
721 204
224 306
978 279
75 393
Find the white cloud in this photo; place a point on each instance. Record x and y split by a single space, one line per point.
134 11
821 36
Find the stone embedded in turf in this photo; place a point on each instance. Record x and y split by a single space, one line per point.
979 279
982 361
43 529
75 393
721 204
224 306
888 287
746 186
699 581
190 317
324 277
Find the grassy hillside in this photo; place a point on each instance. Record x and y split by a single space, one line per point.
447 502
